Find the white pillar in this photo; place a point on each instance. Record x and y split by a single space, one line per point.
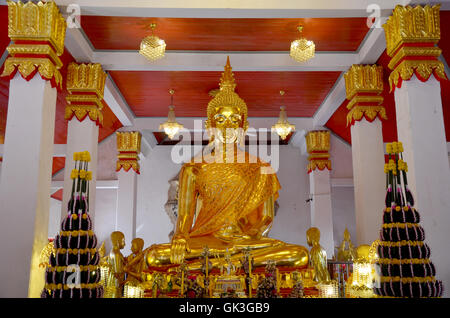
369 179
25 185
420 127
126 206
81 136
321 211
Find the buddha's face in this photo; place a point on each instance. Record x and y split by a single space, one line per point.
227 122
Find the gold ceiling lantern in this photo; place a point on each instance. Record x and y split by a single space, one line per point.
302 49
152 47
282 127
171 127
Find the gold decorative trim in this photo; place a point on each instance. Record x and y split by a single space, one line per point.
318 140
401 243
412 25
414 51
128 146
403 261
27 66
35 49
319 164
85 83
129 141
402 225
395 279
363 79
37 22
422 68
86 78
368 112
127 165
63 268
356 100
83 111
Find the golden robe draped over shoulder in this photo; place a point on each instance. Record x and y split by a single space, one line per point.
231 191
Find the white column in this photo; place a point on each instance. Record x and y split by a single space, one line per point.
420 127
321 211
126 206
81 136
369 178
25 185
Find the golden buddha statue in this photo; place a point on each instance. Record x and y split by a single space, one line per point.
116 262
135 262
346 251
226 197
318 256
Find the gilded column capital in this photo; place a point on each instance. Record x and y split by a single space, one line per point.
318 146
128 147
38 31
85 84
411 37
363 86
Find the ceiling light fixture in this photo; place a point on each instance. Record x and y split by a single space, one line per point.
282 127
171 127
152 47
302 49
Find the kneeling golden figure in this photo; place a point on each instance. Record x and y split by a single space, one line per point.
226 197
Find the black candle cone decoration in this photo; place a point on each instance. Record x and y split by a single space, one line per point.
73 270
404 266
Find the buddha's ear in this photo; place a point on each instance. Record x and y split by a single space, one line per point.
245 126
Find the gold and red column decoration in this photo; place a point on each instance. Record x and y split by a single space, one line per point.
318 145
85 84
129 147
38 31
411 37
363 86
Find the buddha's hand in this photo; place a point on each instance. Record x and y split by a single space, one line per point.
178 249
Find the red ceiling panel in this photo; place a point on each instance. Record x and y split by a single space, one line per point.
126 33
4 39
147 92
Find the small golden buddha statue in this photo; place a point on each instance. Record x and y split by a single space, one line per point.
135 262
116 262
226 197
318 256
346 251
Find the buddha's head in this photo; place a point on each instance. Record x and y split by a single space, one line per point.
118 240
137 245
227 112
313 236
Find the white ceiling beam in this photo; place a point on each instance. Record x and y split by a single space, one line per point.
213 61
117 103
77 44
232 8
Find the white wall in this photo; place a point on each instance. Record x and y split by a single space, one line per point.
342 198
105 216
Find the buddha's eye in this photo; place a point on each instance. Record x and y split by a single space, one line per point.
219 118
235 119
